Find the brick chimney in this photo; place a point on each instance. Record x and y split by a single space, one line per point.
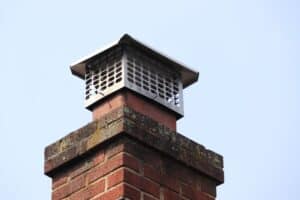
131 150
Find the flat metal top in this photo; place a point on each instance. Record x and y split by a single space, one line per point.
188 75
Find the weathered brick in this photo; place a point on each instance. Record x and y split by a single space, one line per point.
61 192
131 162
170 195
152 173
119 191
69 188
141 128
150 187
115 178
202 196
80 168
115 148
147 197
170 182
95 188
59 180
98 158
208 186
114 193
80 195
89 192
187 191
105 168
130 192
115 162
133 155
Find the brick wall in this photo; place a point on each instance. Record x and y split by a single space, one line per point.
126 168
126 154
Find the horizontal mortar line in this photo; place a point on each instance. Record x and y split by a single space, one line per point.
60 186
103 163
143 176
150 195
109 122
108 190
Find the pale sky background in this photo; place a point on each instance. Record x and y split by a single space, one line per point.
245 105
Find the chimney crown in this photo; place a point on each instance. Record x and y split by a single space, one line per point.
128 63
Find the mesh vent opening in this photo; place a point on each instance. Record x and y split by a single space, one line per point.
148 76
137 72
100 77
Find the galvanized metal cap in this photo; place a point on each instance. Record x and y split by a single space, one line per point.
188 76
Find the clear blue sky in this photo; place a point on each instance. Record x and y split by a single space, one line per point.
245 105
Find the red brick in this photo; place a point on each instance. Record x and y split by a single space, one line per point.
61 192
141 183
115 193
187 191
124 175
170 182
150 157
117 161
146 197
80 169
56 182
69 188
99 158
114 150
137 103
184 174
95 189
90 191
131 193
80 195
208 186
202 196
170 195
153 174
77 184
105 168
121 190
112 102
131 162
150 187
115 178
127 168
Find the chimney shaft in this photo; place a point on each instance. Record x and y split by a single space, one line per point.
138 103
131 149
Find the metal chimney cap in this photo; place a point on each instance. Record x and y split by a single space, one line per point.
188 75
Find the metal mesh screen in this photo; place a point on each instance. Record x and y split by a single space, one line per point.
150 78
136 72
101 76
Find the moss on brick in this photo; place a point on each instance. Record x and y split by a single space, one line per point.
124 121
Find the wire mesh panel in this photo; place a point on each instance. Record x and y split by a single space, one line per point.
154 80
99 80
136 72
103 76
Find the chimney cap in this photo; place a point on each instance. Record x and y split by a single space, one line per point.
188 75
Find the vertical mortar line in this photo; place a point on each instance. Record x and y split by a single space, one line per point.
161 193
105 183
180 188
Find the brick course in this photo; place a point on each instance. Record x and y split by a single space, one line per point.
126 122
128 155
120 173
